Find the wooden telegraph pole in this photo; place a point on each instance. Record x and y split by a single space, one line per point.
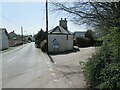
22 34
47 22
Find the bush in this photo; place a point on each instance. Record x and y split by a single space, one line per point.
39 37
103 68
86 42
43 45
89 34
83 42
98 42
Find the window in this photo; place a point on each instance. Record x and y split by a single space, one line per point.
14 38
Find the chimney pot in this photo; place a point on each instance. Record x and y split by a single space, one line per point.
65 19
63 23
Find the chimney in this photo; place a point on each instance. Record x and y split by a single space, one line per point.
63 23
65 19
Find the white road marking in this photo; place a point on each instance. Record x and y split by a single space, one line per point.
48 62
12 58
50 69
55 80
52 74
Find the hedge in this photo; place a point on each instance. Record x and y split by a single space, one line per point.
103 68
83 42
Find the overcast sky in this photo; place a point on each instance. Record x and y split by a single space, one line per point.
31 16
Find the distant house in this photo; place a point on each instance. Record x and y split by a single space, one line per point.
60 39
83 34
79 33
4 42
25 39
14 39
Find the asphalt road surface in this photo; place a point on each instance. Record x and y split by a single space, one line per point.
28 67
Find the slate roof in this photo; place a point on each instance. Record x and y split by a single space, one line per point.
59 30
79 33
12 34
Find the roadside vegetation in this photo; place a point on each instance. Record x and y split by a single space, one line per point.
103 68
87 40
40 40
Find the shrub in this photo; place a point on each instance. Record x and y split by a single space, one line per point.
43 45
98 42
39 37
83 42
103 68
89 34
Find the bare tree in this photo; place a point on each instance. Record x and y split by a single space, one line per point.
97 14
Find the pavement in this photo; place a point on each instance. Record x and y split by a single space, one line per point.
28 67
67 67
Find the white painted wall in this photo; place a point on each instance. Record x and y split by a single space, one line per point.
64 44
4 42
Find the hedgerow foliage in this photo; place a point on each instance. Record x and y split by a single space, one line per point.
40 40
103 68
82 42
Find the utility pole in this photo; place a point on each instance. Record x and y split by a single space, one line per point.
22 34
47 22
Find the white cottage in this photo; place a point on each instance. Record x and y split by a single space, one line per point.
4 41
60 39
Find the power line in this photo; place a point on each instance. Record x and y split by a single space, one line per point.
9 20
43 17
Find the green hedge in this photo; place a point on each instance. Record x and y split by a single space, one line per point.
86 42
39 37
103 68
83 42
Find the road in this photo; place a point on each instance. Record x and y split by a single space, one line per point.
25 67
28 67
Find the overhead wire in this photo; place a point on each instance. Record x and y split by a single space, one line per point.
43 18
9 20
17 27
